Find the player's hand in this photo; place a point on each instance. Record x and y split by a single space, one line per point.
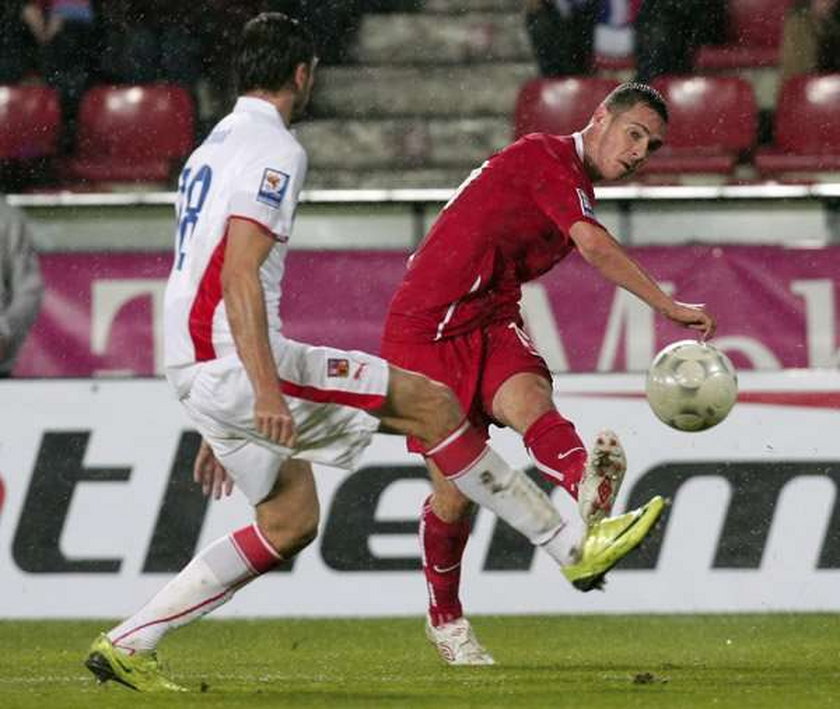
694 316
211 474
273 418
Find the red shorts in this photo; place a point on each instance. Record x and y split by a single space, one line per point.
473 365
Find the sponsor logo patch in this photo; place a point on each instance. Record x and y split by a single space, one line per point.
338 367
273 187
585 204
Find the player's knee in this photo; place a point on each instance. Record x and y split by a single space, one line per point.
438 411
291 533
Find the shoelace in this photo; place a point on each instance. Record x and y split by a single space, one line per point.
604 458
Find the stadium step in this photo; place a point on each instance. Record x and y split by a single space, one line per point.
486 89
384 178
403 142
457 6
453 39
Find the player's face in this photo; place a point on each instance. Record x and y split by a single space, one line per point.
626 140
304 80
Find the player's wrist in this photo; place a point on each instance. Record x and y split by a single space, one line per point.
667 308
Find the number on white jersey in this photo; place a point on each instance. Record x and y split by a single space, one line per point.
193 193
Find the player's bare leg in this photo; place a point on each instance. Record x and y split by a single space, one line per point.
287 520
289 517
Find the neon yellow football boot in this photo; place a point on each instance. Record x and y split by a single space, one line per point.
140 671
607 542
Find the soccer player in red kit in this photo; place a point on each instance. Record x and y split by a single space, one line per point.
456 318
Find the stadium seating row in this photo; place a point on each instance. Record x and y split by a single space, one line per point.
124 133
713 122
754 30
140 133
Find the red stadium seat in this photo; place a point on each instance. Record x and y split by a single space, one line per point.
30 122
606 63
807 128
755 30
713 121
559 106
132 133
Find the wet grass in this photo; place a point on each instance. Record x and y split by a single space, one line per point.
588 662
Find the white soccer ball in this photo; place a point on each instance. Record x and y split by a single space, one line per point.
691 386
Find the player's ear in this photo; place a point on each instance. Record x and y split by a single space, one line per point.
301 76
303 71
600 114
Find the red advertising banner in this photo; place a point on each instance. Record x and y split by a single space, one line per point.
776 308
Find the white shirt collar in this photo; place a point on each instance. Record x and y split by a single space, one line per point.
578 145
250 104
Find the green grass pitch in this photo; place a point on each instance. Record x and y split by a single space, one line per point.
587 662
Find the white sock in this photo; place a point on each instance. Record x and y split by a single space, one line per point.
516 499
208 581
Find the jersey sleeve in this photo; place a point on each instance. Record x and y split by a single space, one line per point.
267 190
564 201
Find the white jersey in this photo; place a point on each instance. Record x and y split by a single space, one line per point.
250 167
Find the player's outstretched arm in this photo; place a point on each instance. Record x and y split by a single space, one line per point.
600 249
248 246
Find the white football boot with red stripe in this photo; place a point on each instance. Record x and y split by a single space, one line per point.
602 478
456 643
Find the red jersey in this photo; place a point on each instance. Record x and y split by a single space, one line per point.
507 224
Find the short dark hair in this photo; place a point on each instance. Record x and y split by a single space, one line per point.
624 97
271 47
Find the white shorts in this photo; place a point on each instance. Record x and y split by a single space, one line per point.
327 390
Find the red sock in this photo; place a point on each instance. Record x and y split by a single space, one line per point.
443 546
558 452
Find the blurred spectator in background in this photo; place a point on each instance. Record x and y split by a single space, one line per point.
333 24
18 47
222 28
66 33
669 31
561 33
153 40
21 288
614 30
811 38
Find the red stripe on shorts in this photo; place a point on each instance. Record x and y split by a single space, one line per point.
333 396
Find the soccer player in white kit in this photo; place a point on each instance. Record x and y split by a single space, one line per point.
267 406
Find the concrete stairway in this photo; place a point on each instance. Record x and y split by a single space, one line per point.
430 96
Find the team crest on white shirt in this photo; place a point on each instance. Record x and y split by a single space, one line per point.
338 367
273 187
